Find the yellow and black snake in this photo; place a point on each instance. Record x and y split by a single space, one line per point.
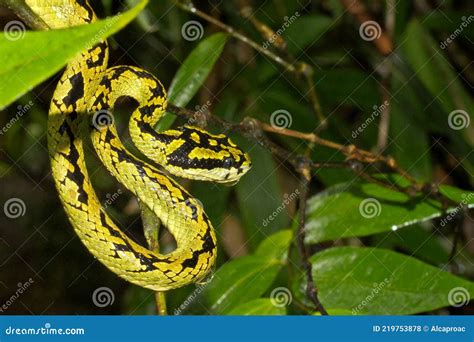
83 99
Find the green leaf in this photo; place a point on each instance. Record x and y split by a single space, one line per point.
299 37
26 62
434 71
246 278
360 209
240 280
260 197
276 245
410 145
192 74
256 307
416 241
448 94
377 281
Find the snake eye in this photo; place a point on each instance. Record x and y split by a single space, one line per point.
227 163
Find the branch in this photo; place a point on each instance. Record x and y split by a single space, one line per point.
302 248
298 68
151 227
24 12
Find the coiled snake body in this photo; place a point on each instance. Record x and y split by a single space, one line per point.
84 95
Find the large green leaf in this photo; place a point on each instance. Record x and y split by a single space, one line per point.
360 209
410 141
260 306
246 278
377 281
192 74
450 104
30 59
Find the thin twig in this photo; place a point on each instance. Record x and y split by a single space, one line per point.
254 130
303 250
298 68
151 227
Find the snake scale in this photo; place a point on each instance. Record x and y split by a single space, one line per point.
82 104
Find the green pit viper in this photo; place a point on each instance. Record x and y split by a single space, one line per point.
82 104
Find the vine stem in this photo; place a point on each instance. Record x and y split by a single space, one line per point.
151 227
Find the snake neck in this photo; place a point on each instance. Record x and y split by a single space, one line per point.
62 13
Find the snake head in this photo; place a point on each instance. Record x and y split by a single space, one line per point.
208 157
233 165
